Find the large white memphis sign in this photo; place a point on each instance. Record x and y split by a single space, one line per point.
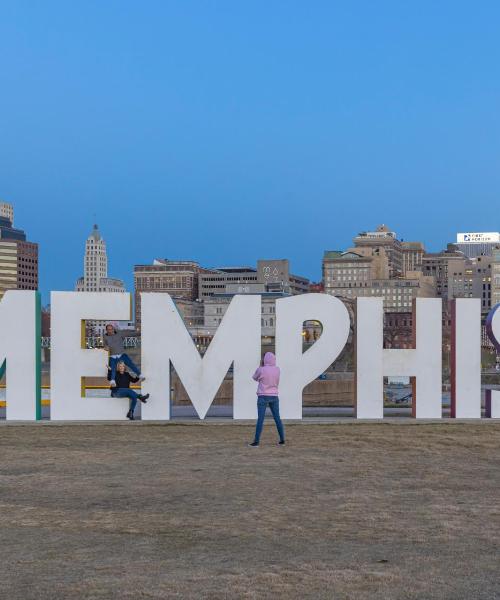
237 342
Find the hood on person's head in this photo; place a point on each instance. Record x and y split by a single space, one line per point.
269 359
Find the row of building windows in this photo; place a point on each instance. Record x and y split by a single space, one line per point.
351 271
383 291
171 280
263 322
220 310
223 279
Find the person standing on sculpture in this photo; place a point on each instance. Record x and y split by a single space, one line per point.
114 343
268 378
121 389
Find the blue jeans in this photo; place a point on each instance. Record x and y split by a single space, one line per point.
127 360
274 404
126 393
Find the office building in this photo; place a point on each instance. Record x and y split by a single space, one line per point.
18 257
413 254
270 275
383 239
216 306
217 281
449 269
179 278
481 276
276 276
495 277
95 275
350 275
95 267
477 244
7 211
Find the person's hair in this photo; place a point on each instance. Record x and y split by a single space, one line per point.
120 362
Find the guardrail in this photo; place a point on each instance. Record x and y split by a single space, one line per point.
46 401
96 342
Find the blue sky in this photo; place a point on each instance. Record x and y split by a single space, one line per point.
228 131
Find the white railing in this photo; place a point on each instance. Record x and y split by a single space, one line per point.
96 342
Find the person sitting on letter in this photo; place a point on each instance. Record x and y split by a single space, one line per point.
121 389
113 342
268 377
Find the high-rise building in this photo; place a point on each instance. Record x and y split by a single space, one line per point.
495 277
271 280
271 275
95 274
481 276
216 281
383 239
477 244
413 254
179 278
353 274
275 274
95 267
216 307
18 265
449 268
7 211
203 295
18 257
460 276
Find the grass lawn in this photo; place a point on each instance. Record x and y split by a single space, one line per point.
348 511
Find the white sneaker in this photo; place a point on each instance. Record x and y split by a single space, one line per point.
141 378
112 383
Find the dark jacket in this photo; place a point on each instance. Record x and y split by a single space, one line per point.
122 380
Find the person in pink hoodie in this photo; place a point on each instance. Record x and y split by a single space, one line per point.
268 376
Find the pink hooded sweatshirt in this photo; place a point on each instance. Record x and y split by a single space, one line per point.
268 376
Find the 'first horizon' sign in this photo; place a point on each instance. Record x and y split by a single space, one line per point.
237 342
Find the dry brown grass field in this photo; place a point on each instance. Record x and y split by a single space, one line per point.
343 511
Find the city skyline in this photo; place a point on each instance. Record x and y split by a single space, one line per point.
123 267
128 277
229 133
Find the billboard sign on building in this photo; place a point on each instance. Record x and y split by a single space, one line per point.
478 238
273 271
